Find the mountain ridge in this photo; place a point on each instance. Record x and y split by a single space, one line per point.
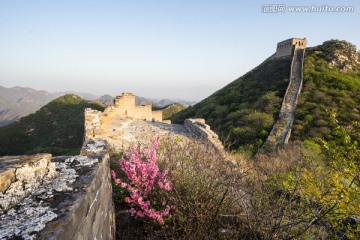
17 102
244 111
57 128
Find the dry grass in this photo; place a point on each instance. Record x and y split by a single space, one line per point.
219 199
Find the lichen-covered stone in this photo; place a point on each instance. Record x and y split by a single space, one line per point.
6 178
67 203
95 146
24 176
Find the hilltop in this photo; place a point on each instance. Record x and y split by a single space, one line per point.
331 83
18 102
244 111
56 128
170 110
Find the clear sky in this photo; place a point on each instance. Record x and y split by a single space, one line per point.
155 48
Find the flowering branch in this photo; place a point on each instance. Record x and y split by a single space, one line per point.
143 177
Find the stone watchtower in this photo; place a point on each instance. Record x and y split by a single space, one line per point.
125 107
287 47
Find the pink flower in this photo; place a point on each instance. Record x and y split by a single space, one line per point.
167 187
160 220
142 173
132 211
140 214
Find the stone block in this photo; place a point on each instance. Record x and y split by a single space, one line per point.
70 205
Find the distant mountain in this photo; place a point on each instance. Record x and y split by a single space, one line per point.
170 110
17 102
142 101
106 99
167 102
57 128
185 103
109 100
86 96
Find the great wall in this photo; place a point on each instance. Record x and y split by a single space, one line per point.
281 130
45 197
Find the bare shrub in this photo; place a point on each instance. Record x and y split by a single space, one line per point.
286 195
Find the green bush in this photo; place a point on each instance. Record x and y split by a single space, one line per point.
325 89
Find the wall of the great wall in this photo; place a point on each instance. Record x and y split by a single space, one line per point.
124 107
92 126
57 198
199 128
281 130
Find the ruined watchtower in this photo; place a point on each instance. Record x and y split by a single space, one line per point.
125 106
287 47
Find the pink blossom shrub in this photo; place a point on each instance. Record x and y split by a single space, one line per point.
144 179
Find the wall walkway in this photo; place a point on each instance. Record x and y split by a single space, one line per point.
281 130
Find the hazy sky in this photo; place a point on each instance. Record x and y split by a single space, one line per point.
155 48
